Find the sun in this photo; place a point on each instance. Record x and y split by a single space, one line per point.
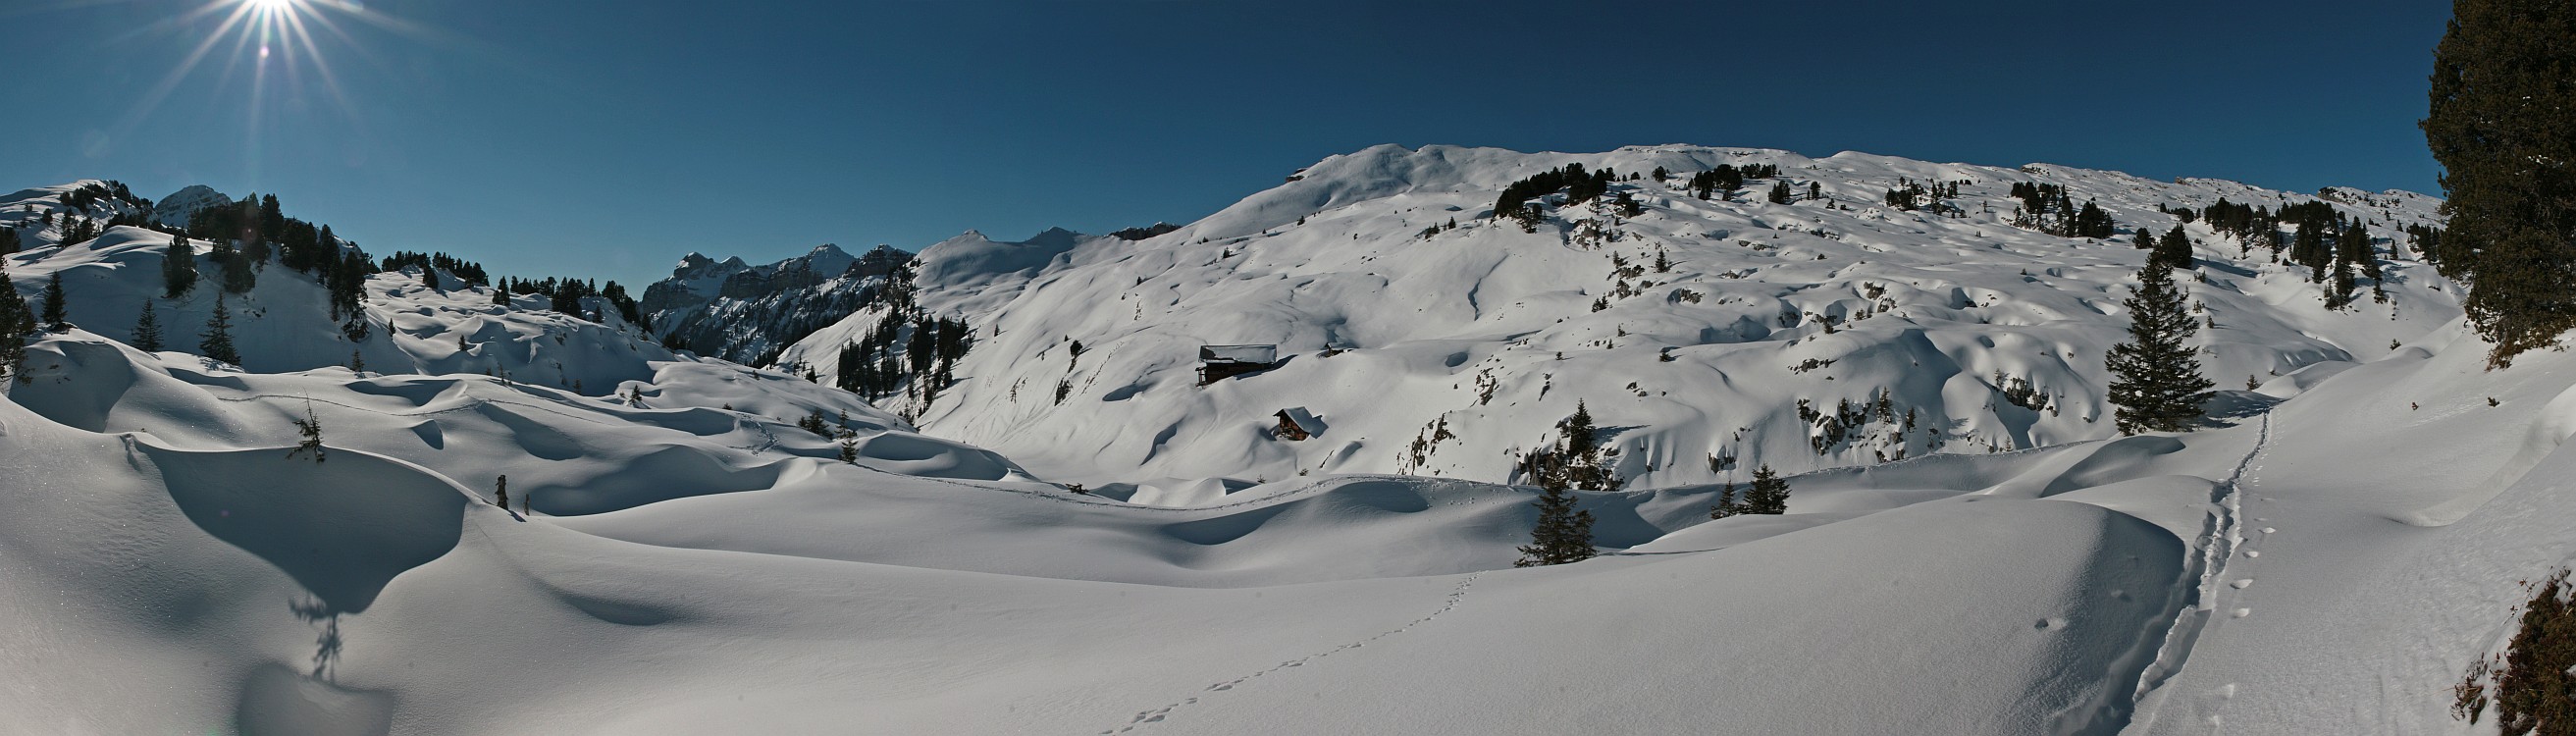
271 5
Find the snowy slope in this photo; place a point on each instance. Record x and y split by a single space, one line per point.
1387 334
155 583
2326 557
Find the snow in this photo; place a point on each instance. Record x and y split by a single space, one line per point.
2326 556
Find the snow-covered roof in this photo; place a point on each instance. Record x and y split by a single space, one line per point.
1238 353
1305 420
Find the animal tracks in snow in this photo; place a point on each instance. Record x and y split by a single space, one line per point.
1157 715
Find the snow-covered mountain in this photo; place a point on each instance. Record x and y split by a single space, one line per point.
710 547
748 313
174 210
1712 336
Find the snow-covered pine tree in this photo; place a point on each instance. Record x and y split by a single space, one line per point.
217 341
2156 382
147 329
56 320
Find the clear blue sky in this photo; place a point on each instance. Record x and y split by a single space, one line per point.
605 139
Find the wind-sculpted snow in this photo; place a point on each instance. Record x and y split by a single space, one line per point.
1989 335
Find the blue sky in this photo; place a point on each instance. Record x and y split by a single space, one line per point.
605 139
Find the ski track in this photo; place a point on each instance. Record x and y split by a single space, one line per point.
2217 547
1158 715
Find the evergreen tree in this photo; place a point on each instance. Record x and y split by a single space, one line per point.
1769 494
2174 251
1727 505
178 268
501 492
16 324
8 241
2500 123
217 341
55 318
1781 193
2156 382
311 428
238 276
1563 534
147 329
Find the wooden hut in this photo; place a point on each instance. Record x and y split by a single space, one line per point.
1296 423
1220 362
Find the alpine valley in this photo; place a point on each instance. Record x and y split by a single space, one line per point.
1200 479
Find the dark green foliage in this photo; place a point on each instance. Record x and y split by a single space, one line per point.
815 423
147 329
469 271
9 242
238 275
217 341
2156 382
178 269
1578 185
1781 193
17 323
2502 123
1725 178
1769 494
1563 533
55 318
2173 251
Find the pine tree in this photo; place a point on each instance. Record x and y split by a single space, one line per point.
501 492
217 342
147 329
1781 193
16 324
1769 494
1563 534
238 276
178 268
55 318
1726 504
311 428
2501 117
2156 383
2174 251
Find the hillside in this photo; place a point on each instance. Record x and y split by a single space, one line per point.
693 545
1716 318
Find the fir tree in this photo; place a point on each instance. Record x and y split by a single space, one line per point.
217 341
16 324
147 329
1563 533
2174 251
1781 193
178 268
501 492
55 318
1769 494
2501 117
1726 504
311 428
238 276
2156 379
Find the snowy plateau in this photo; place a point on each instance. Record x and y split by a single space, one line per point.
1091 540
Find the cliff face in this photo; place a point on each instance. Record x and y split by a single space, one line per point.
747 314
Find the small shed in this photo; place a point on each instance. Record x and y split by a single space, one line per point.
1296 423
1220 362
